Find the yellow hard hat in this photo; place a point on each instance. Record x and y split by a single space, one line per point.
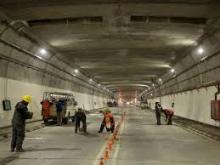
107 110
27 98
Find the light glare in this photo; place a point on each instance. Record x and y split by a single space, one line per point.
43 51
172 70
200 50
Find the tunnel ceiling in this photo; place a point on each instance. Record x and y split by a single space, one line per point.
125 45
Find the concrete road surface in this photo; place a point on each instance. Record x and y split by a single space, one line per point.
141 143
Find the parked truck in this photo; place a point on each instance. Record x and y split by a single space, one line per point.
49 106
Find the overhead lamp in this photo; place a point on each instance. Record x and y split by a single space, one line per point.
172 70
203 58
200 50
43 51
160 80
90 80
76 70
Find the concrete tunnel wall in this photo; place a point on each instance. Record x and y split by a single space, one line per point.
194 105
21 72
193 85
15 89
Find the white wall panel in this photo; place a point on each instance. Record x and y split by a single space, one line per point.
193 105
16 89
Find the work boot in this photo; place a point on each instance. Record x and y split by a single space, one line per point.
20 150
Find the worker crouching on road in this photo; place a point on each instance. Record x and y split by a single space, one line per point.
21 113
108 122
158 110
169 115
80 116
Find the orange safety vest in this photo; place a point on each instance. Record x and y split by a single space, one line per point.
46 109
169 112
108 118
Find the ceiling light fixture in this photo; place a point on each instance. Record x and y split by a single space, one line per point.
200 50
203 58
42 51
76 70
172 70
160 80
39 57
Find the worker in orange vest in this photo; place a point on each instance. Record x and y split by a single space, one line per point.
169 115
108 122
46 105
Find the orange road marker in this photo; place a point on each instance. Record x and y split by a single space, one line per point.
110 145
101 162
110 141
106 157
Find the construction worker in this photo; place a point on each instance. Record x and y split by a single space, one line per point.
21 113
60 109
46 105
158 109
108 122
80 116
169 115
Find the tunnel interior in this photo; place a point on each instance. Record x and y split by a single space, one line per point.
131 52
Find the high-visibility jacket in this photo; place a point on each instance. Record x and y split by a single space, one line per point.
109 119
168 112
46 108
46 105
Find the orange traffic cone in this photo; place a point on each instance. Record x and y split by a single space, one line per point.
101 162
113 140
106 156
110 145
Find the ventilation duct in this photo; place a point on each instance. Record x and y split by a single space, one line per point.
159 19
72 20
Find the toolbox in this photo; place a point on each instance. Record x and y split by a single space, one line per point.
215 109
